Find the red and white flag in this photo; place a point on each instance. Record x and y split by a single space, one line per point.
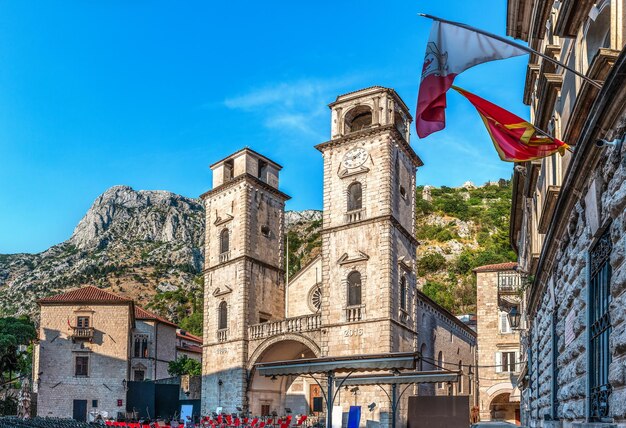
450 51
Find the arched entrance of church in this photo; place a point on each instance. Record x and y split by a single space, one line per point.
501 408
298 394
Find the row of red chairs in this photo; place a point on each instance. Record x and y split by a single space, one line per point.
222 422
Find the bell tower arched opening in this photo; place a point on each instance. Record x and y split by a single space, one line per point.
357 119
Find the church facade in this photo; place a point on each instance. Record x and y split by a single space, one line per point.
360 296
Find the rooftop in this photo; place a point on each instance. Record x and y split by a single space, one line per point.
89 294
142 314
496 267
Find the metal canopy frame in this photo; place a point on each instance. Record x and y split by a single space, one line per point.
394 380
332 365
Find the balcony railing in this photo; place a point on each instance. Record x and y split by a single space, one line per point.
289 325
354 313
355 215
225 256
222 335
508 283
85 333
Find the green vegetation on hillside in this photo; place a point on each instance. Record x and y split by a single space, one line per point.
182 307
485 210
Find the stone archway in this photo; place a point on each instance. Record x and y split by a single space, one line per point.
267 395
501 408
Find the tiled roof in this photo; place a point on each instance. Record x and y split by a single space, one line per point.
89 294
190 348
142 314
496 267
189 336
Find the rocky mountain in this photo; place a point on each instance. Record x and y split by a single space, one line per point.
136 243
148 245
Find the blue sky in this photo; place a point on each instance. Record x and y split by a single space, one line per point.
149 93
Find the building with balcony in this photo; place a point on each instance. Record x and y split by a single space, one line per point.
567 220
91 344
498 290
359 296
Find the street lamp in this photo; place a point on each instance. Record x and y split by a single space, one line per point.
515 318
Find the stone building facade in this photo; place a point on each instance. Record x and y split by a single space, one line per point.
497 291
91 343
568 223
358 297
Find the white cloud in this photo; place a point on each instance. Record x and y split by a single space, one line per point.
293 106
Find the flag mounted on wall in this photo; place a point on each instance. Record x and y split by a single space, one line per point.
515 139
451 49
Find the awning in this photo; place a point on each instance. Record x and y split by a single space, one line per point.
403 378
352 363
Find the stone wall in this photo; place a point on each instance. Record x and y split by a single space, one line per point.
569 278
491 341
300 288
108 359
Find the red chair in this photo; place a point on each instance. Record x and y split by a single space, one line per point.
108 423
255 421
262 424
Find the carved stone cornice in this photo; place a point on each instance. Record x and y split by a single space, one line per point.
372 132
547 93
250 179
389 218
572 14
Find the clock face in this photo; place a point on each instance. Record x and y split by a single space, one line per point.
355 157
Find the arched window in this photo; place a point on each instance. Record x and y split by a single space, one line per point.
423 355
224 241
459 385
403 292
355 196
399 122
357 119
354 289
222 321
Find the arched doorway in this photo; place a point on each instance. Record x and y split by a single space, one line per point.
296 393
501 408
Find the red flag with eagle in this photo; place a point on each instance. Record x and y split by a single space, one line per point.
515 139
450 51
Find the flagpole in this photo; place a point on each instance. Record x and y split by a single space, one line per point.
517 45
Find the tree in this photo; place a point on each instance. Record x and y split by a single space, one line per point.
13 333
184 366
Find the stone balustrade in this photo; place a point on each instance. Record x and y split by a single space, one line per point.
222 335
354 313
288 325
355 215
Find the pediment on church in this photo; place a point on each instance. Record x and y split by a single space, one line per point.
405 263
345 173
221 291
360 256
219 220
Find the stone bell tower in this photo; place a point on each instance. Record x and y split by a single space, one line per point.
368 238
244 274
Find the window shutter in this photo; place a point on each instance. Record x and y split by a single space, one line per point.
498 362
504 323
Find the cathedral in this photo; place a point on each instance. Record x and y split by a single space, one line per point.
359 296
